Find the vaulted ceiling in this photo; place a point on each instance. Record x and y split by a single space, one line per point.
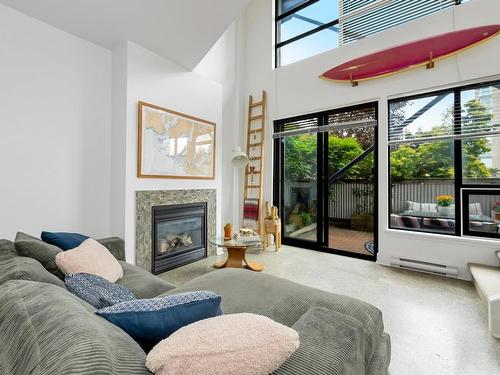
182 31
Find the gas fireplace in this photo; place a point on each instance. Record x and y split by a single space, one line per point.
179 235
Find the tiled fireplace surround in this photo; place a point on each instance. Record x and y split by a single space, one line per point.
149 198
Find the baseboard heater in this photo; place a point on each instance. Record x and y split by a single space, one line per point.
427 267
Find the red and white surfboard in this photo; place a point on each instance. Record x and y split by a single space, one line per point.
410 55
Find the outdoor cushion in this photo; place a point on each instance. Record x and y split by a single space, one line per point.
96 290
151 320
420 207
46 330
142 283
420 213
475 209
403 221
63 240
35 248
235 344
90 257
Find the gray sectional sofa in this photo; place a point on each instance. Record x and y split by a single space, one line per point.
44 329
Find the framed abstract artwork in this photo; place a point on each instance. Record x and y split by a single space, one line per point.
174 145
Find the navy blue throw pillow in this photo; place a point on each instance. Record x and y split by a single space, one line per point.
152 320
63 240
96 290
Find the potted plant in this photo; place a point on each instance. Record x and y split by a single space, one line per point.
443 204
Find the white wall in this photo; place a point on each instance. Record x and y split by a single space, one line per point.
153 79
222 64
118 140
54 130
296 89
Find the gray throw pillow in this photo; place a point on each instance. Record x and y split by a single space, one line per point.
96 290
23 268
32 247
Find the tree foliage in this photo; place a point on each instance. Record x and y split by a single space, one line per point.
436 159
301 158
342 151
418 160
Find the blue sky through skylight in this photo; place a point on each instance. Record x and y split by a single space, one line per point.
322 11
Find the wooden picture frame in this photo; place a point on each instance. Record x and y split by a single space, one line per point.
158 153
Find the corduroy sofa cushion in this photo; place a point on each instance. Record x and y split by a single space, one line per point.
22 268
14 267
32 247
7 249
345 352
46 330
143 283
287 302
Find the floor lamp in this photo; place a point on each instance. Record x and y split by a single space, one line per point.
239 161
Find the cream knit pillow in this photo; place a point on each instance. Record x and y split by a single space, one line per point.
90 257
239 344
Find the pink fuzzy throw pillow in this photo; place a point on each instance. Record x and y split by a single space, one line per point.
90 257
235 344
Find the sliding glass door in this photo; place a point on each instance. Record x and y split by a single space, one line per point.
325 180
351 190
300 193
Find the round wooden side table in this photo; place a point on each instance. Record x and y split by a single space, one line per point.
236 254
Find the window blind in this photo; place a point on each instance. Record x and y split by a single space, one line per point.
364 116
359 117
355 23
456 114
296 126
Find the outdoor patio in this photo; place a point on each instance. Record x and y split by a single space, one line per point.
345 239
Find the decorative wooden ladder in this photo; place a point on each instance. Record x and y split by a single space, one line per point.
254 171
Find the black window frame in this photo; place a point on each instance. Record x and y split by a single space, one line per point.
460 187
288 13
466 192
321 243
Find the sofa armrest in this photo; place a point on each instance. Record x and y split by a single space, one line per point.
115 245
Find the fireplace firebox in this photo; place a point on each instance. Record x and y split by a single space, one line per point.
179 235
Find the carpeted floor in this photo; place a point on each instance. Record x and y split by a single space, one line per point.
437 325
